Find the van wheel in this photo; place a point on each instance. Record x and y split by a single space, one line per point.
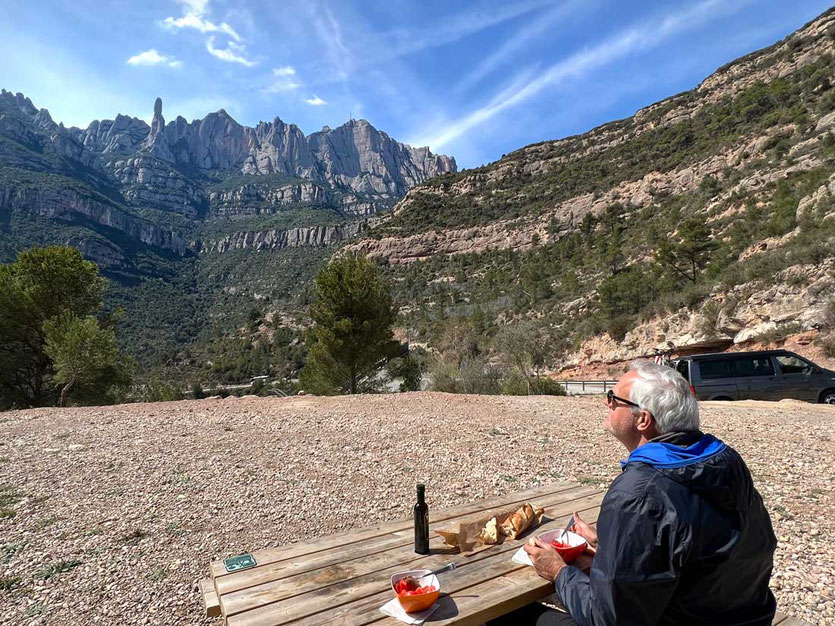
828 397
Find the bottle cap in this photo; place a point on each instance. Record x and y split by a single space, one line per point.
421 488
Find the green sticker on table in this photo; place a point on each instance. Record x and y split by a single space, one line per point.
239 562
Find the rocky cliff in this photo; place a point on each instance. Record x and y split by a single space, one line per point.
284 238
706 220
158 185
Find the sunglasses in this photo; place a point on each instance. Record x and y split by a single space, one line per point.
611 397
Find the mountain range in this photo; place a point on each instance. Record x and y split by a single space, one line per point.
158 185
176 212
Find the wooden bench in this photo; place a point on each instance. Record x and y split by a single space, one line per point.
344 579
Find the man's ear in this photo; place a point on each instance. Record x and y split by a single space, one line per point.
645 421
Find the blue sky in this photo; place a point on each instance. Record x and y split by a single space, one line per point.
471 79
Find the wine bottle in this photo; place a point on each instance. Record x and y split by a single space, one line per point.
421 522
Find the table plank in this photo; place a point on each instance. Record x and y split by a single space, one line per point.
211 602
490 599
294 550
383 549
779 618
289 605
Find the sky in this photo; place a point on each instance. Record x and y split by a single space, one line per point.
471 79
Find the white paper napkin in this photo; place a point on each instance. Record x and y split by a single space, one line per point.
393 609
521 557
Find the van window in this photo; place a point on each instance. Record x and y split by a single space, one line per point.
681 368
793 365
716 369
754 366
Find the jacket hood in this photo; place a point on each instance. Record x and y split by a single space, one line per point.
706 466
669 455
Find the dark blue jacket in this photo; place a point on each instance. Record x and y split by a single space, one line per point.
684 538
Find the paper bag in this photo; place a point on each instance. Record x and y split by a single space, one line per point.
483 529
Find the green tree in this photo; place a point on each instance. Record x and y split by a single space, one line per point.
42 284
526 347
611 245
691 253
409 369
351 337
85 355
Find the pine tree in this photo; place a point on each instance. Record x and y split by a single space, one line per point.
691 253
352 314
41 285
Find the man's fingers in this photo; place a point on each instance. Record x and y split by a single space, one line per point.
579 522
542 544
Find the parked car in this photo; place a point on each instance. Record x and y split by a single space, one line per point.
763 375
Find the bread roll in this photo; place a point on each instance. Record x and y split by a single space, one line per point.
490 532
517 523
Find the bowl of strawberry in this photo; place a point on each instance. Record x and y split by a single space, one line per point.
569 545
416 590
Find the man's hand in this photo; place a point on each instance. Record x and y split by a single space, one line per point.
546 561
585 531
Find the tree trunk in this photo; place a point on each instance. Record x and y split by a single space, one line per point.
353 380
65 394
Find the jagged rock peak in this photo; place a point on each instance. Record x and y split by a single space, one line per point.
19 101
158 123
156 143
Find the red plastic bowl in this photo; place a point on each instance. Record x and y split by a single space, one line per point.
415 604
576 544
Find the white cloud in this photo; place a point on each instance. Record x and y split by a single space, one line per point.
632 40
233 53
283 80
315 101
329 33
531 30
194 16
152 57
457 26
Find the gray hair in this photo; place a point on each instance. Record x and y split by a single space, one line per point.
663 392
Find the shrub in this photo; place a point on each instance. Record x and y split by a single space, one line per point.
471 376
544 386
515 385
158 391
444 377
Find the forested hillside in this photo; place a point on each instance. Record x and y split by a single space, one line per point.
703 221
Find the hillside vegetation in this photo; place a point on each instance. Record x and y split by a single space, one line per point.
659 228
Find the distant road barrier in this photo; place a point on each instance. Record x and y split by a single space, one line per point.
587 387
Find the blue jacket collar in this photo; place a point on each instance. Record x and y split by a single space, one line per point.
669 455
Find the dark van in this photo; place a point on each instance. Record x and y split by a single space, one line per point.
764 375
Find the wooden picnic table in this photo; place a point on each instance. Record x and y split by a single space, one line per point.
344 579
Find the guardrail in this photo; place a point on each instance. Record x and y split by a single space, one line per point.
580 387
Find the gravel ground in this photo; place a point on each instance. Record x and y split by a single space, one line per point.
111 515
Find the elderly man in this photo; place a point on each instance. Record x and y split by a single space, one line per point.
682 535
